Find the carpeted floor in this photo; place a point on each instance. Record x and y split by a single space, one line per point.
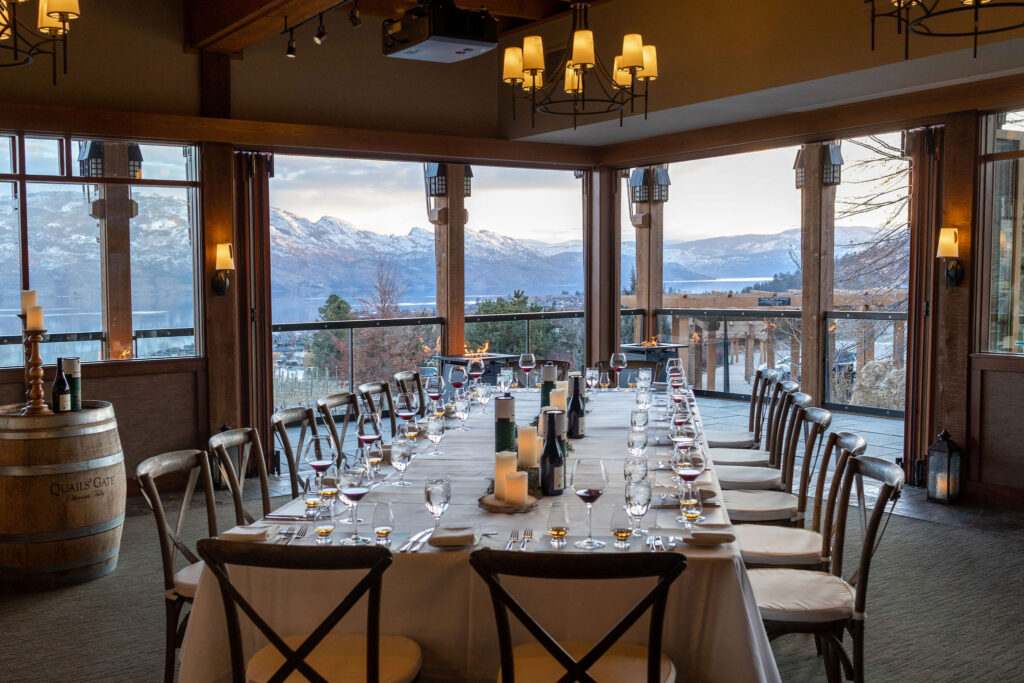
944 605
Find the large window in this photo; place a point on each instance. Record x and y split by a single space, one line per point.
108 232
352 251
1003 204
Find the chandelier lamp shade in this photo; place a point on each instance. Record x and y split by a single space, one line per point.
25 35
947 18
574 81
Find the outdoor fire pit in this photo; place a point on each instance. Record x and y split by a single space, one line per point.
654 351
492 363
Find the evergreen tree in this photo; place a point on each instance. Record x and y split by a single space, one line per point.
329 348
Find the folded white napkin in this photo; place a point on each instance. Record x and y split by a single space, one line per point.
454 536
702 537
254 534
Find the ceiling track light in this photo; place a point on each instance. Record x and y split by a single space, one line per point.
290 52
321 32
353 15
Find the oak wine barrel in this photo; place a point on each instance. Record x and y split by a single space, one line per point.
62 495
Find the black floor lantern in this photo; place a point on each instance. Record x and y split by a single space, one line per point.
945 470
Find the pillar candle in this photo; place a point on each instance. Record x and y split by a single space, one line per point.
504 463
563 384
34 318
515 488
558 399
28 298
529 447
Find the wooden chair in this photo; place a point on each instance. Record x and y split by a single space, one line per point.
764 381
373 392
825 604
279 422
786 417
326 407
180 585
783 506
316 656
780 411
409 381
247 442
549 660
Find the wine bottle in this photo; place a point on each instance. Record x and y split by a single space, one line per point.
73 370
576 410
552 458
61 394
505 437
548 375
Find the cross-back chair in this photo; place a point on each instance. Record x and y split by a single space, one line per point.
249 447
780 412
785 431
410 382
317 656
547 659
279 422
377 396
825 604
326 407
763 392
179 585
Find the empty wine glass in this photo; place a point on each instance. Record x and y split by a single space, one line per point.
321 456
621 528
589 481
558 523
636 442
618 364
401 456
527 362
383 522
635 468
674 367
462 412
353 485
638 502
437 494
435 432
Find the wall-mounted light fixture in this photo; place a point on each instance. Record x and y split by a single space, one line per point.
949 252
225 264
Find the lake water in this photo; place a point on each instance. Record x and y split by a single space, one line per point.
717 285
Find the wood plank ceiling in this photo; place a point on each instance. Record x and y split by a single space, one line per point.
230 26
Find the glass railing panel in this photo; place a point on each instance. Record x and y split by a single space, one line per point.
499 336
866 363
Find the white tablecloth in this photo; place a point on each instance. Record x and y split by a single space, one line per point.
713 631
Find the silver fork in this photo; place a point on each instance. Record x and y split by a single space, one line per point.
527 537
512 538
301 533
659 544
284 535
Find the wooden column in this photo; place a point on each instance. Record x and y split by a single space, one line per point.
215 84
222 325
601 225
115 209
711 351
650 239
899 343
450 250
952 309
817 226
748 354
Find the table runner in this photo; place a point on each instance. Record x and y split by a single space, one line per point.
713 630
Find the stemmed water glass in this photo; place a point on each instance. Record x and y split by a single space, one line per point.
591 378
437 494
435 432
482 395
504 380
638 502
401 456
353 485
589 481
321 456
462 407
527 362
618 364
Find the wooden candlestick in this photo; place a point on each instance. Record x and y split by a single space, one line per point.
24 342
36 396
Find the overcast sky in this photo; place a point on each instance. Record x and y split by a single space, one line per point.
739 194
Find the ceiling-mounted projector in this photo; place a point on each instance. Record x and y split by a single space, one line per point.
438 31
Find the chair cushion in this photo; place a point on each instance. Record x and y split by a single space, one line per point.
343 658
764 544
749 457
187 578
801 595
623 662
737 477
729 438
759 506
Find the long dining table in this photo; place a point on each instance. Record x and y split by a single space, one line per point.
712 630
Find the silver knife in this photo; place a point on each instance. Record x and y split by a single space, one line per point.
423 539
412 539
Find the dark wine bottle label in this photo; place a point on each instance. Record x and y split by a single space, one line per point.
558 478
65 403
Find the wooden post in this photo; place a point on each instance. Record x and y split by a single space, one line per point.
650 239
115 209
696 369
768 347
748 359
450 250
601 248
711 349
899 344
681 335
222 324
817 225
